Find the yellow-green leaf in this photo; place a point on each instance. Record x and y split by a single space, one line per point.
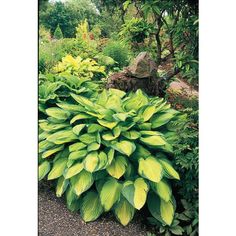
82 182
167 211
117 167
150 169
76 146
57 169
60 137
74 170
124 147
44 168
62 184
78 128
136 192
78 155
162 189
107 124
88 138
80 116
52 151
110 194
161 119
58 113
91 207
91 161
154 141
124 211
169 171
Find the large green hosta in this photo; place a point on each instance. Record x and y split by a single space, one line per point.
110 152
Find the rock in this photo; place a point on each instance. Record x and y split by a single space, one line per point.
142 67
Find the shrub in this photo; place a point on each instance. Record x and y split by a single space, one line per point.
58 33
118 51
87 68
44 35
51 53
110 152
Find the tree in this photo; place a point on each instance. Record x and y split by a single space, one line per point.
67 15
58 33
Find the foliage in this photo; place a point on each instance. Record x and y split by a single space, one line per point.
110 152
51 53
136 30
58 33
67 15
87 68
118 51
44 35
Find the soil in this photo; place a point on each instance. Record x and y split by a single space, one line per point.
56 220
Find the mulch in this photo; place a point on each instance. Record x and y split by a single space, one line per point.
54 219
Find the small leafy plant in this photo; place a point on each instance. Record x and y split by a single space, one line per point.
110 153
58 33
77 66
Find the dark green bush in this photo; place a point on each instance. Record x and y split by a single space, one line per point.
118 51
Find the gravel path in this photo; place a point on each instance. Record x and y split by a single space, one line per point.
56 220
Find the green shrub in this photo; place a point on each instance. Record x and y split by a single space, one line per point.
58 33
44 35
51 53
110 152
118 51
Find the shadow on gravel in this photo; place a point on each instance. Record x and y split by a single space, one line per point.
54 219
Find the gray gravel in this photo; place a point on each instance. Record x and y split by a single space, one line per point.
56 220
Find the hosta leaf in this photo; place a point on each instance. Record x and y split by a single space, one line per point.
74 170
78 154
110 155
95 128
82 182
132 134
57 169
136 192
110 194
117 92
136 101
45 145
162 189
150 133
76 146
150 169
80 116
49 127
103 160
72 200
145 126
91 162
93 147
58 113
124 147
70 107
44 168
154 141
120 116
117 167
107 124
124 211
91 207
108 136
52 151
78 128
153 203
114 103
88 138
167 211
85 102
169 171
60 137
62 184
148 113
140 151
161 119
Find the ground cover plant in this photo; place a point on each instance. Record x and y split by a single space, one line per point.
108 150
110 153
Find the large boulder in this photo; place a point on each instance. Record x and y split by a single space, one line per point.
141 74
142 67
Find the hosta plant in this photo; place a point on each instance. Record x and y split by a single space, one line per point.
83 68
110 153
